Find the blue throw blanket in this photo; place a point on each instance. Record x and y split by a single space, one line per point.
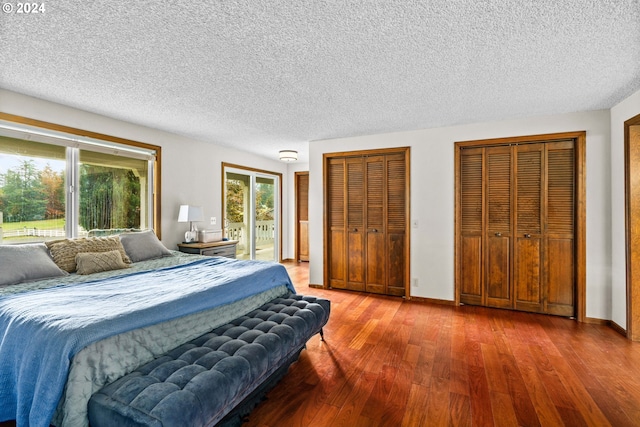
42 330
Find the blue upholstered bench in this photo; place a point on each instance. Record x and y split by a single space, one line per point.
217 378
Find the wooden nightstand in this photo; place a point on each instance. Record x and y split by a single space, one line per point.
226 248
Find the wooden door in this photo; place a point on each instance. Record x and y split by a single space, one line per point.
528 218
498 227
396 224
367 244
336 223
375 225
471 205
355 224
516 244
302 215
560 229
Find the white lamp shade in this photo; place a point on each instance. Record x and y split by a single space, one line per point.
288 155
190 213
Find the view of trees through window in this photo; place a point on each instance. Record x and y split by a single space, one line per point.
236 202
112 192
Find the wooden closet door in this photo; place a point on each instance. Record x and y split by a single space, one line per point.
302 214
517 240
337 248
471 226
375 225
560 229
355 224
528 240
366 218
498 227
396 224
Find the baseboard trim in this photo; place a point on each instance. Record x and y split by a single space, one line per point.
619 329
312 285
596 321
432 301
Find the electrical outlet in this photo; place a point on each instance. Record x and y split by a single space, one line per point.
213 220
415 223
414 283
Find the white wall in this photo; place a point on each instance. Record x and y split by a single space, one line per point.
432 197
191 169
625 110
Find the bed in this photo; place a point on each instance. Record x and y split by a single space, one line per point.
65 337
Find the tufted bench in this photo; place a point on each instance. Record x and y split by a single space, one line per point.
218 377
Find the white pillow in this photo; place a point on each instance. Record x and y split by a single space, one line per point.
25 263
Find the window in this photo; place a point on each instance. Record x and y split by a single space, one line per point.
58 182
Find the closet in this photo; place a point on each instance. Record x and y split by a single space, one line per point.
366 221
518 213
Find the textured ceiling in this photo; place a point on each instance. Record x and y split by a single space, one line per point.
269 75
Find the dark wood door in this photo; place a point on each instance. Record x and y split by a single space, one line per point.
302 215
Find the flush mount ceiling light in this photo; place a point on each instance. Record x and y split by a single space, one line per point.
288 155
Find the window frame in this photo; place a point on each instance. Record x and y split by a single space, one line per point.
156 174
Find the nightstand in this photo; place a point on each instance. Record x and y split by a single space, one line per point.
225 248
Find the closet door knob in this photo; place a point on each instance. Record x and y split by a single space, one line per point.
498 234
527 235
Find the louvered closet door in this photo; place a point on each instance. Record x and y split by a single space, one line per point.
375 225
517 227
529 227
498 235
396 224
367 240
471 226
355 224
337 248
302 199
560 229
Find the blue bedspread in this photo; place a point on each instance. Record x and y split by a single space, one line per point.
42 330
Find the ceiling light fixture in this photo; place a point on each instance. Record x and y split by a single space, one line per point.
288 155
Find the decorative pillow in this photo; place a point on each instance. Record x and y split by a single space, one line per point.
64 251
24 263
95 262
143 245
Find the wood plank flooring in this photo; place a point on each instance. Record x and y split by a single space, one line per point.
390 362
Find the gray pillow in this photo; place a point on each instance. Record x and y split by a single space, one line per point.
25 263
143 245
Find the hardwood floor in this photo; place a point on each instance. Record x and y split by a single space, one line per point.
390 362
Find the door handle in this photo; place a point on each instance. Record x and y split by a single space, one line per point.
374 230
355 229
498 234
527 235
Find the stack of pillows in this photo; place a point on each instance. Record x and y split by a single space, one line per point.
24 263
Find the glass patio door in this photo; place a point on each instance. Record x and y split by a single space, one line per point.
252 213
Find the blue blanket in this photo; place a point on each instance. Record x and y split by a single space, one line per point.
42 330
